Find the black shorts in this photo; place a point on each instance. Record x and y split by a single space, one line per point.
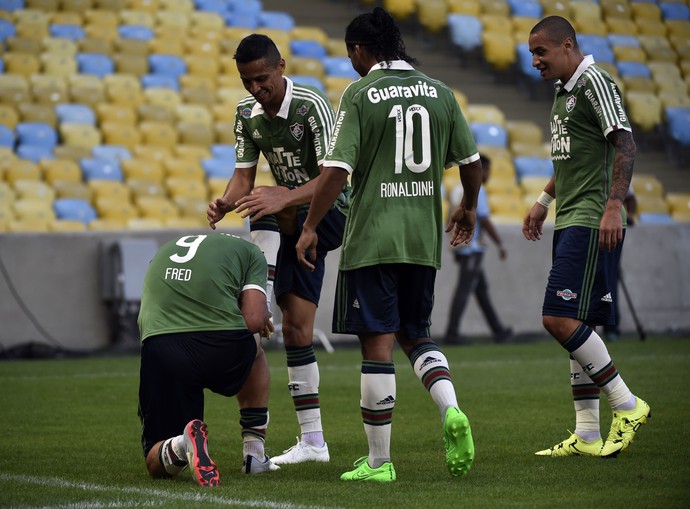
175 370
291 276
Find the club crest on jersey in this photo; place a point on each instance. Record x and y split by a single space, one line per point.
570 103
297 131
302 110
246 112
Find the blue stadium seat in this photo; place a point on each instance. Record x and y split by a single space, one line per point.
224 151
111 152
307 48
7 29
219 6
678 121
626 69
36 133
533 166
169 65
74 209
276 19
11 5
304 79
100 169
465 31
339 67
489 133
524 61
95 64
244 6
34 153
596 45
139 32
528 8
6 136
67 31
674 10
248 20
218 168
623 40
160 81
75 114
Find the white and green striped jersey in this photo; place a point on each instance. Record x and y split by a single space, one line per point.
294 142
396 131
585 110
194 284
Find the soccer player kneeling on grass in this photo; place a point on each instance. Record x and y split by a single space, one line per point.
203 309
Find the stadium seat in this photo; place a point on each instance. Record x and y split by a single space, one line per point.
674 11
307 48
80 135
533 166
628 54
67 189
143 169
489 133
179 186
34 153
191 151
75 114
679 125
116 208
138 32
100 169
140 187
597 45
633 69
169 65
481 112
499 50
654 218
86 89
111 152
156 207
107 225
644 109
524 63
161 134
185 168
23 64
163 97
678 202
623 40
33 208
95 64
48 89
36 133
527 8
33 190
74 209
6 136
312 81
61 46
130 63
218 168
276 19
433 15
65 31
117 113
465 31
195 133
645 10
60 170
160 81
307 66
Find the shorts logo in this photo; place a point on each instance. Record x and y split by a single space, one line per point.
607 298
297 131
246 112
302 110
570 103
355 304
566 294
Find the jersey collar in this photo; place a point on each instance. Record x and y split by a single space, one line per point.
284 110
586 62
395 65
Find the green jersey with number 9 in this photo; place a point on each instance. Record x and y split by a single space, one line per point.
396 131
194 284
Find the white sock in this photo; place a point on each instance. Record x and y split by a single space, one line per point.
172 462
378 392
269 243
586 402
253 447
304 389
431 367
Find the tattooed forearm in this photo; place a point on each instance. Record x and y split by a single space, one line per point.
623 163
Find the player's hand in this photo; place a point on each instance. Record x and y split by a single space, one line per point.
216 211
533 224
610 229
461 225
306 247
269 328
262 201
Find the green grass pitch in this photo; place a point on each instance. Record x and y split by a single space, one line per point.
71 438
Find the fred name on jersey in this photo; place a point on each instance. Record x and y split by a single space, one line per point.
178 274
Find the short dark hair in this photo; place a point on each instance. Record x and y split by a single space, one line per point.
255 47
378 32
556 29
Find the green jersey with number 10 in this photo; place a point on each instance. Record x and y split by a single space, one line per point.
396 131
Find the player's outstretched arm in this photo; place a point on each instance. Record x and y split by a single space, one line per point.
240 184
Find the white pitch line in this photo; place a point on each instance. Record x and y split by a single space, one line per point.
57 482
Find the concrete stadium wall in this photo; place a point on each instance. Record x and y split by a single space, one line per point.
51 288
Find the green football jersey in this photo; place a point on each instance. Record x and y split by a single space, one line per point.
396 131
294 142
584 112
194 284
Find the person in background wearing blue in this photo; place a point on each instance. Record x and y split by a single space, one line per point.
471 277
